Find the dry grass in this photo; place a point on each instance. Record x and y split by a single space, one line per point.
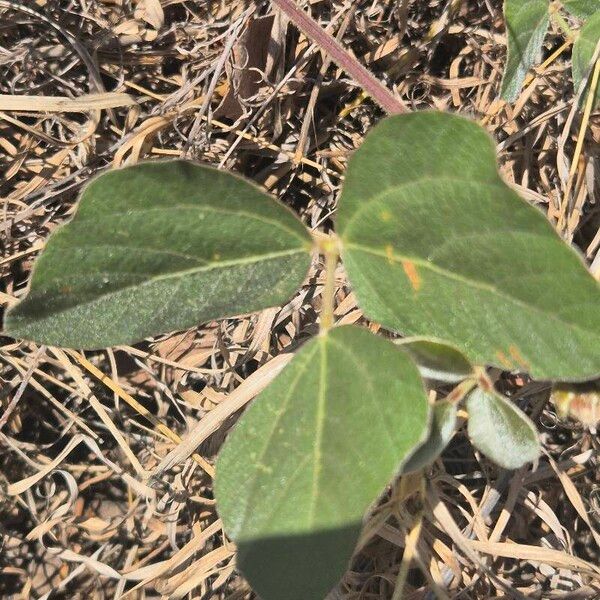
98 501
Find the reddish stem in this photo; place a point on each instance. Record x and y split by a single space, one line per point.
342 58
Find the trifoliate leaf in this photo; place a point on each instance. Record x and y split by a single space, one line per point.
436 244
158 247
310 456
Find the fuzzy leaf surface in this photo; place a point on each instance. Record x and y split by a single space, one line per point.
526 24
500 430
311 454
436 360
436 244
157 247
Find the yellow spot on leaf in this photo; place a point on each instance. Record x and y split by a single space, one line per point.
385 215
413 275
263 468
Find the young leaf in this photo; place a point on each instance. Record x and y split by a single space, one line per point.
582 8
157 247
436 360
436 244
500 430
443 424
526 24
583 52
310 456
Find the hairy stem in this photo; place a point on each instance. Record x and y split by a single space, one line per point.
342 58
463 388
331 258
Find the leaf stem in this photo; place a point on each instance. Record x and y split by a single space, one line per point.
461 390
342 58
329 248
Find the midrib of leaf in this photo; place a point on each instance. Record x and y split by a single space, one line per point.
168 210
180 274
319 422
466 281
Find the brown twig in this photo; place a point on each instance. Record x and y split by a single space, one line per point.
314 94
342 58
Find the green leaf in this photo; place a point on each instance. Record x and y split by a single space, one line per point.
583 53
437 360
436 244
500 430
526 25
157 247
310 456
443 425
582 8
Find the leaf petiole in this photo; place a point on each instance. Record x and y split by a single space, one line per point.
461 390
329 248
